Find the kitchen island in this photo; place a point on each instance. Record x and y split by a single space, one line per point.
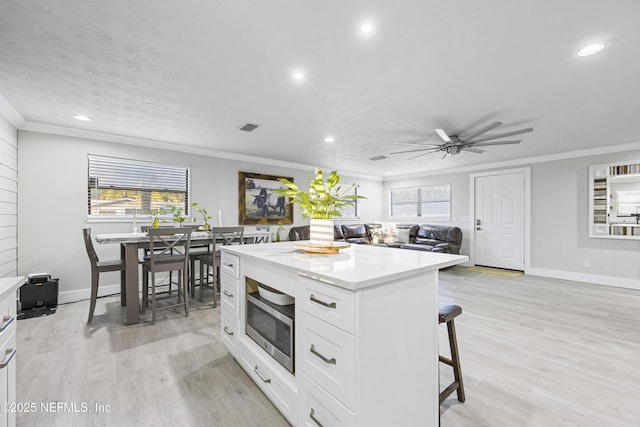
365 347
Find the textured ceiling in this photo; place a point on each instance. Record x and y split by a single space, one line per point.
192 73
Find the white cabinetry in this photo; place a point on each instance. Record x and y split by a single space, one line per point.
366 344
8 286
229 297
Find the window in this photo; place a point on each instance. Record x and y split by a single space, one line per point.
122 188
351 211
432 202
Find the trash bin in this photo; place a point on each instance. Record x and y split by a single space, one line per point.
38 297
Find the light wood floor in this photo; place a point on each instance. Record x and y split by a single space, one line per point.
534 352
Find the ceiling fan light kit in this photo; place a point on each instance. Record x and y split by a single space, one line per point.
455 144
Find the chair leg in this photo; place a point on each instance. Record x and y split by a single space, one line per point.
94 294
204 278
215 286
145 290
185 292
455 359
153 298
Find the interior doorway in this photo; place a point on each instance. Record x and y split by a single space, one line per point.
500 203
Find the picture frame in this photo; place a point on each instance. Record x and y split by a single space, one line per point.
258 204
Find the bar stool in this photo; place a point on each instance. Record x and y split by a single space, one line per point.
446 314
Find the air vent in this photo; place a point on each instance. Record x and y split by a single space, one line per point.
249 127
377 158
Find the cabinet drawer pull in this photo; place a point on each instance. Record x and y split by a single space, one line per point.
312 415
228 264
10 352
227 331
326 304
266 380
6 321
227 294
331 361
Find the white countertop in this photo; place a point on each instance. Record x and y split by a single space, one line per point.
9 285
356 267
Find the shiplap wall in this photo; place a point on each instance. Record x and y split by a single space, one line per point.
8 198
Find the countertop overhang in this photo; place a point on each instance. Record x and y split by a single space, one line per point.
353 268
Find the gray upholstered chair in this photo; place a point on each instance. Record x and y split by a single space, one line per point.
221 236
168 251
97 267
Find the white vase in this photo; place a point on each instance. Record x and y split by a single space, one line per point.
321 232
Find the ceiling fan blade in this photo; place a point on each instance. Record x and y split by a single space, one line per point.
420 155
502 135
473 150
414 151
415 144
442 134
483 130
486 144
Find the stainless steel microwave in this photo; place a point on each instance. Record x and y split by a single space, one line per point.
272 327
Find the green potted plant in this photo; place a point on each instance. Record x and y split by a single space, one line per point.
155 218
203 213
178 215
321 203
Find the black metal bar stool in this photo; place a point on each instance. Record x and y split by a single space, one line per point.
446 314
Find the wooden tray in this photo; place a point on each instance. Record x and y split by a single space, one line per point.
319 249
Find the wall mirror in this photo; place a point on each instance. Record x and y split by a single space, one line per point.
614 198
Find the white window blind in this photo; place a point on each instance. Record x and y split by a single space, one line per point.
122 187
432 202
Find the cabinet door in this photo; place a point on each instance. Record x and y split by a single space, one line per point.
8 380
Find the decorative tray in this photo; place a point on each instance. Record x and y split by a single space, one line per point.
322 249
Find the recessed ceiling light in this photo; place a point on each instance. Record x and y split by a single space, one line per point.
389 173
298 75
592 49
82 118
366 28
329 139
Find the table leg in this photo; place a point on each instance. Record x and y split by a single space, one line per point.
133 303
123 280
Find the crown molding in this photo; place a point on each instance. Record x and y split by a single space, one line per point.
522 162
163 145
10 113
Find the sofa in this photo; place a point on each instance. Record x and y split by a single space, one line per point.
422 237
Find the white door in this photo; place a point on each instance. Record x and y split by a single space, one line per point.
499 221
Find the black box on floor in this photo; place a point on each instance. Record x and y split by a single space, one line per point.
38 297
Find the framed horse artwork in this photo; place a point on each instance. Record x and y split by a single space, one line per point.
259 203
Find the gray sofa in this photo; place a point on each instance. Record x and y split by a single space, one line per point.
422 237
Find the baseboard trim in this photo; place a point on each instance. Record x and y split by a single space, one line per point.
85 294
617 282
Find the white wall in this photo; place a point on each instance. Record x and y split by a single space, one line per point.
559 215
8 198
53 202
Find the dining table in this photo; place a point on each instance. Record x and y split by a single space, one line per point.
132 243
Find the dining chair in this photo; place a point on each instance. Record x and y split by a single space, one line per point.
97 267
168 251
221 236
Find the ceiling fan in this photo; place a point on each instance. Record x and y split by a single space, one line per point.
454 144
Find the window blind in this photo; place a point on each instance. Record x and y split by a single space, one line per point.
122 186
430 202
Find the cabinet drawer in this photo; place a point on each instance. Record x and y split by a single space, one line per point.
229 294
316 407
229 264
327 355
281 395
229 331
8 312
331 304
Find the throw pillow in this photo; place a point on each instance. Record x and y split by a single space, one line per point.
403 235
